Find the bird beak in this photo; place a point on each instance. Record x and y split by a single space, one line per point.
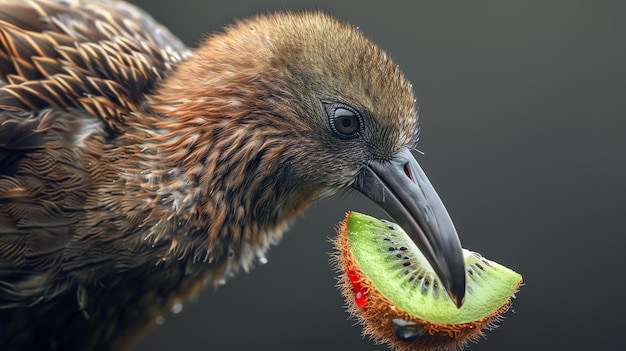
402 189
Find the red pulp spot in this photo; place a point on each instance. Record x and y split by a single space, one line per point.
359 291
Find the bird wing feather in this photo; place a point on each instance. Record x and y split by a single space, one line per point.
73 75
102 57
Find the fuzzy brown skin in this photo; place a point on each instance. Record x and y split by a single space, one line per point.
133 169
378 312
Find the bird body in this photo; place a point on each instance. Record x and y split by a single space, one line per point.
133 170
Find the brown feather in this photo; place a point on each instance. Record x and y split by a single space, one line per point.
133 171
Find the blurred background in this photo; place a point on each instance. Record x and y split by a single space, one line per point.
523 110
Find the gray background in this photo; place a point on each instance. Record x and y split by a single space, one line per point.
523 108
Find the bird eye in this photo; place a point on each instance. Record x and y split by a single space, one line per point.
345 121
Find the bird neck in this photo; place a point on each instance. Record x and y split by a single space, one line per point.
221 191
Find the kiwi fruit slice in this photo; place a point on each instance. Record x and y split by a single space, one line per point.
392 290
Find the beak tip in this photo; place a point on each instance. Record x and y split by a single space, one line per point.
455 282
459 300
456 290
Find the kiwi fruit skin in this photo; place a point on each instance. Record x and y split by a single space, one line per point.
413 311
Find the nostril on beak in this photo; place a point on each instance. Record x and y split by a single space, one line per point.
407 171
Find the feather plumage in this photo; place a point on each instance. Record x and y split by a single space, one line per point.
133 169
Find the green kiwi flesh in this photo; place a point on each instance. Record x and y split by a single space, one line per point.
400 272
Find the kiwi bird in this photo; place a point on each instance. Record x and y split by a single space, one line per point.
134 170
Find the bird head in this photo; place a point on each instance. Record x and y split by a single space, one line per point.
301 106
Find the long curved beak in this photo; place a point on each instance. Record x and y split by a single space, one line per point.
402 189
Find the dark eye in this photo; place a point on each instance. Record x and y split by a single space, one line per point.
345 121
